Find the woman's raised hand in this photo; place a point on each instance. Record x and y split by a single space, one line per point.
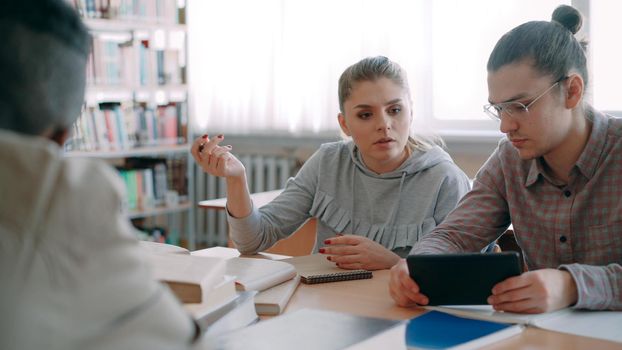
215 159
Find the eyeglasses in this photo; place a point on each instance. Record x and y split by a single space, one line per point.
514 108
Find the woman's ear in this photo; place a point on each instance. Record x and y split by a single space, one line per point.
343 124
574 91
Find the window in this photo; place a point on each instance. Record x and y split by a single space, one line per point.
273 65
463 34
606 51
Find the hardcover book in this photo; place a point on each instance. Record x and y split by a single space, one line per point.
191 278
273 301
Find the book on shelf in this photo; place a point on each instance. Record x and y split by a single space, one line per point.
315 268
148 180
272 301
120 59
311 329
118 126
155 11
596 324
191 278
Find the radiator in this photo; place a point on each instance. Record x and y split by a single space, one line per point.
264 173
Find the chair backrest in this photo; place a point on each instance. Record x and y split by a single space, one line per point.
507 242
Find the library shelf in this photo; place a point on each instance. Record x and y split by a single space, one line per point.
135 114
148 151
160 210
128 24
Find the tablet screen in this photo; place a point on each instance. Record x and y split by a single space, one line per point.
461 279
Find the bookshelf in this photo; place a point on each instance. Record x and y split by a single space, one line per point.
135 113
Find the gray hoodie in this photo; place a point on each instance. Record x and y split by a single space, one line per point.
394 209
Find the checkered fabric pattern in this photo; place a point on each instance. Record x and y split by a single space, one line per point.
576 227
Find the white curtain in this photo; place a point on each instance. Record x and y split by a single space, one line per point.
273 65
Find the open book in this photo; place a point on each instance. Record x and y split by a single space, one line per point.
315 268
596 324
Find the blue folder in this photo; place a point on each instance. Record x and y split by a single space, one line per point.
439 330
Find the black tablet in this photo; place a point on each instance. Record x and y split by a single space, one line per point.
461 279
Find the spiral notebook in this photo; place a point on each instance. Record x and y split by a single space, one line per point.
316 268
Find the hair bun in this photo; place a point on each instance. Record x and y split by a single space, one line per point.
569 17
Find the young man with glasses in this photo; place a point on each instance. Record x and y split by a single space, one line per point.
557 180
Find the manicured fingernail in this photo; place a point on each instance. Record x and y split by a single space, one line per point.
201 146
327 241
322 250
204 136
220 136
229 146
328 258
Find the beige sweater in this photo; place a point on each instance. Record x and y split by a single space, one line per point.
71 272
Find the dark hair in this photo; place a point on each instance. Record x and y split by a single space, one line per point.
52 17
42 65
551 46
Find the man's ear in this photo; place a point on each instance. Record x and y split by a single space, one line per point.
343 124
574 91
59 136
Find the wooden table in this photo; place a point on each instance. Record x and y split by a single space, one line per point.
371 298
299 243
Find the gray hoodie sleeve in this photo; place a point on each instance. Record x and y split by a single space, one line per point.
281 217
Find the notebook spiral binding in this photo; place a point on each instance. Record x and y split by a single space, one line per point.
334 277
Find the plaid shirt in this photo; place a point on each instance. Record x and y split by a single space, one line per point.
576 227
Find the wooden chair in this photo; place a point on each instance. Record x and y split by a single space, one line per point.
299 243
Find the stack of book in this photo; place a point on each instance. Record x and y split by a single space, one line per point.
202 285
274 281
